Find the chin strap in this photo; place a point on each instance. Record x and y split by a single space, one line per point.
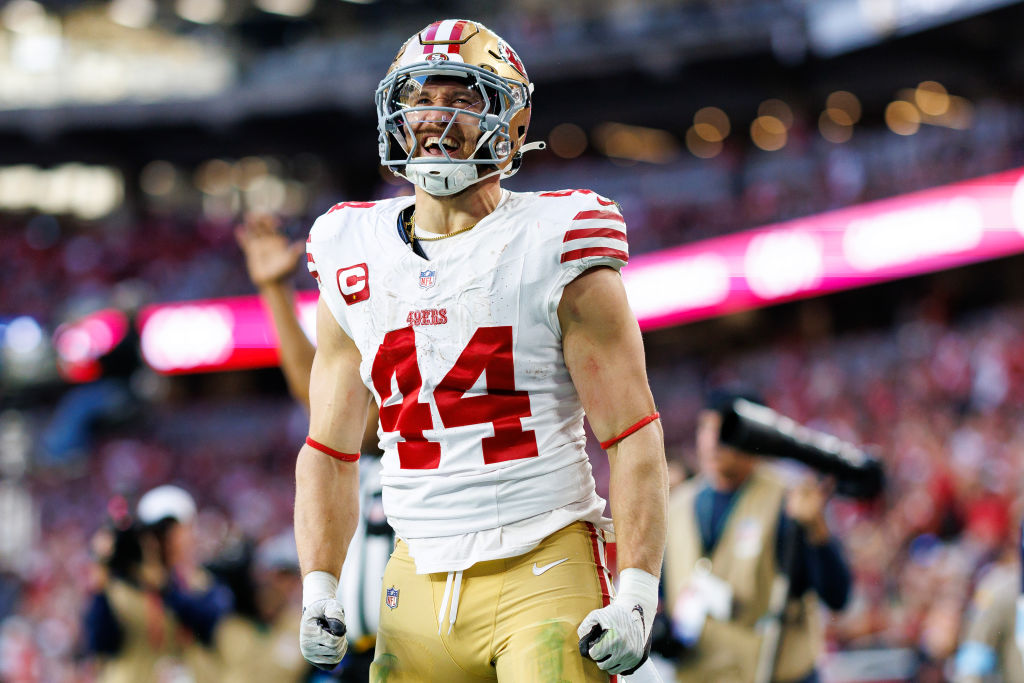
443 179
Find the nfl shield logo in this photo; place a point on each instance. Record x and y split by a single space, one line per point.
391 597
428 278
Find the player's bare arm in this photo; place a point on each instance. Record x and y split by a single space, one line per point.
604 352
326 500
327 485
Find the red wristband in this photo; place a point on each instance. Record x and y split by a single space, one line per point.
347 457
642 423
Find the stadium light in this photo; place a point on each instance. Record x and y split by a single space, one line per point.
835 125
845 101
201 11
698 143
26 17
712 117
567 140
132 13
287 8
777 109
635 143
902 117
768 133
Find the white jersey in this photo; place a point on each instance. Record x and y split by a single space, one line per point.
481 426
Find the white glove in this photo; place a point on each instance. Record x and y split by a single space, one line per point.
618 637
322 629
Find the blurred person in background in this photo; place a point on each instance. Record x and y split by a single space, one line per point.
270 261
989 651
155 609
732 530
256 642
504 315
102 393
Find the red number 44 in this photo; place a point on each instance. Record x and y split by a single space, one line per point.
489 353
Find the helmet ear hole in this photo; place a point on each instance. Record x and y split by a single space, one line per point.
517 161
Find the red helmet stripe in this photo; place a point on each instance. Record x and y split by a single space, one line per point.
431 33
456 34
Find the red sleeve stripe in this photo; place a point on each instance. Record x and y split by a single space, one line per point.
582 233
597 213
353 205
326 450
577 254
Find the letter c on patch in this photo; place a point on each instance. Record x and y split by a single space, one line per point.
354 283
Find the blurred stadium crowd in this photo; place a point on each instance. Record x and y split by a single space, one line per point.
937 389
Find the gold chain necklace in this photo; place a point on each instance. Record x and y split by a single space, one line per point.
412 231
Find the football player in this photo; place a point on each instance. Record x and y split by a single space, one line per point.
485 323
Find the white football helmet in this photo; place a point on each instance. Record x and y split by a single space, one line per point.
468 53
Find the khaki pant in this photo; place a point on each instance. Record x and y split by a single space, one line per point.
512 624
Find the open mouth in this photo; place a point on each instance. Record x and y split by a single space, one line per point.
436 146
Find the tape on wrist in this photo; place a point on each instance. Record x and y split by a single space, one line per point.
637 585
327 450
629 430
318 585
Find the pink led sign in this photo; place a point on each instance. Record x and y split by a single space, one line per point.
885 240
215 334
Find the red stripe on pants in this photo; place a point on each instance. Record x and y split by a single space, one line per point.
602 576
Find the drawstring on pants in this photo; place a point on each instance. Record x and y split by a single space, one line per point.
451 590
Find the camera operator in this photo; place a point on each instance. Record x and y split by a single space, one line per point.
732 533
155 609
257 641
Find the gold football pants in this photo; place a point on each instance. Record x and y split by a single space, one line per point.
510 620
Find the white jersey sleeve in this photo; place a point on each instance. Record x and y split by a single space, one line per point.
341 284
591 232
